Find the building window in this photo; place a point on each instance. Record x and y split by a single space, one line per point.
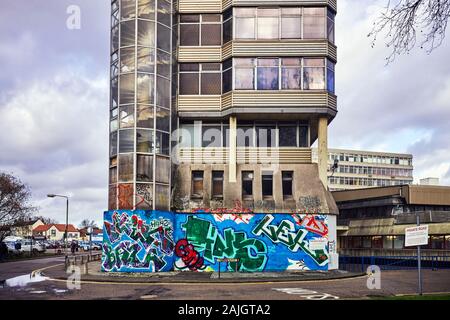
283 23
217 184
245 19
204 79
303 136
244 69
291 73
314 74
126 141
291 24
247 185
268 20
265 136
287 183
296 74
227 29
287 135
197 184
267 73
227 76
267 185
314 23
211 136
245 136
144 168
201 30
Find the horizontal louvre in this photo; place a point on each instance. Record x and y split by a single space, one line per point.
299 48
257 99
199 103
199 54
245 155
199 6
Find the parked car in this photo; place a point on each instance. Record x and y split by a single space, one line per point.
28 245
85 246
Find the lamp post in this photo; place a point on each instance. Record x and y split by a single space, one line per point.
67 217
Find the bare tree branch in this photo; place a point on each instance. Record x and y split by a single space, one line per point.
14 203
403 21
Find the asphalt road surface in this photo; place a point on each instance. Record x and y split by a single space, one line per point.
392 282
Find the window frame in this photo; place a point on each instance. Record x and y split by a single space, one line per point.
200 23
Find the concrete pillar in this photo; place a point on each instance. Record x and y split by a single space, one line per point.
322 150
232 151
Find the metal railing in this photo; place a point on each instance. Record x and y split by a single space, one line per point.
360 264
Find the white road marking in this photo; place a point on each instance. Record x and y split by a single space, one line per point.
307 294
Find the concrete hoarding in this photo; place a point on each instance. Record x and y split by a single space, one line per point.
155 241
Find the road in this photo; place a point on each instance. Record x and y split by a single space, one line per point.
392 282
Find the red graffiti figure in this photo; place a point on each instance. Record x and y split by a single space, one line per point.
189 255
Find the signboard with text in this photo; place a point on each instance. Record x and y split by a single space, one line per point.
416 236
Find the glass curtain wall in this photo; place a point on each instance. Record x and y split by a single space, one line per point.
140 106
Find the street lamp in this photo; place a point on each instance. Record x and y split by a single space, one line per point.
67 217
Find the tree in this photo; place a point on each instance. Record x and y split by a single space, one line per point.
15 204
46 220
86 223
403 20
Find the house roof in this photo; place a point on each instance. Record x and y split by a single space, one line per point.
59 227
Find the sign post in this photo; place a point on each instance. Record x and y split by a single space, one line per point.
417 236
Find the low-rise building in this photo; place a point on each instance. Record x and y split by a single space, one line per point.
24 229
372 221
55 232
366 169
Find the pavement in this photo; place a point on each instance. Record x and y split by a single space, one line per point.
53 283
95 274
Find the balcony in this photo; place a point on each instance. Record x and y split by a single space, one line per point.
259 102
245 155
283 48
199 6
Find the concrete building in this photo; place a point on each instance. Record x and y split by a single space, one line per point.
372 221
215 105
364 169
429 181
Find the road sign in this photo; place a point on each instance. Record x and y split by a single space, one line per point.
416 236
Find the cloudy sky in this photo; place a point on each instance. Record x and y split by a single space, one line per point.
54 100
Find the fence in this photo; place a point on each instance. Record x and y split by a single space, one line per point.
360 264
81 260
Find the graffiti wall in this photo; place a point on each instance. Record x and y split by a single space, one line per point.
138 241
162 241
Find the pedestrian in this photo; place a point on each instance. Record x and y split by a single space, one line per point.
73 247
3 251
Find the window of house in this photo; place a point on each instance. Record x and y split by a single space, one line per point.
126 88
314 74
245 20
268 20
201 30
314 25
330 76
287 183
162 144
245 136
244 69
247 185
144 141
144 168
330 26
287 134
291 73
265 136
197 184
211 136
217 184
146 9
303 136
126 140
227 76
291 24
145 116
437 242
127 33
227 29
204 78
267 185
145 88
126 116
126 165
267 73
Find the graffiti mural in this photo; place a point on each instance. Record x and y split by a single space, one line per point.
152 241
137 241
